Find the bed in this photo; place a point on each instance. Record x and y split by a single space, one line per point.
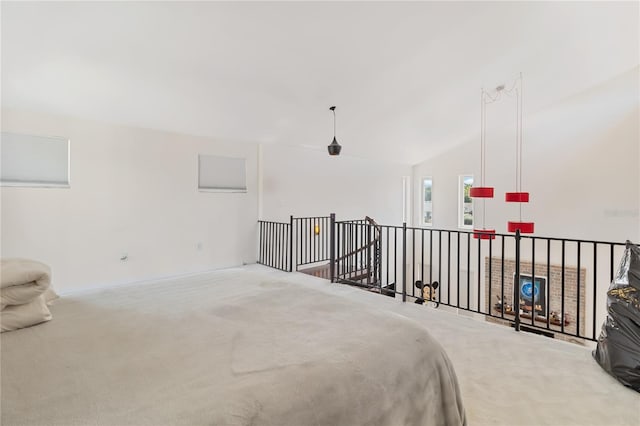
243 346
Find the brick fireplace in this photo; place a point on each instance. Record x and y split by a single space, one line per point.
542 294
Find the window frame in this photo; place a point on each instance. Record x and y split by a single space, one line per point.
422 201
461 203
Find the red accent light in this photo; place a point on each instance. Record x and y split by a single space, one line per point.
524 227
484 234
481 192
516 197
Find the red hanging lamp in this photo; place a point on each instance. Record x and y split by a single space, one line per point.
519 196
483 191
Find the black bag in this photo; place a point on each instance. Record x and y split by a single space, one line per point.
618 349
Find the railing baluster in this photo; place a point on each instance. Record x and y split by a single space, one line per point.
332 253
413 266
260 241
291 243
422 262
562 288
387 281
404 262
502 301
516 283
309 232
578 292
548 283
276 251
595 288
270 246
430 256
468 271
439 261
479 272
458 279
395 257
490 275
284 244
533 281
611 264
448 268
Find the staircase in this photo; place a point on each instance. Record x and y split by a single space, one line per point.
362 266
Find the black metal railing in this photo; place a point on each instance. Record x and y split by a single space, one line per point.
312 239
551 286
275 244
568 278
289 246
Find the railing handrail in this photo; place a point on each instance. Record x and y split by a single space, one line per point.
374 223
358 250
273 221
311 217
479 231
379 226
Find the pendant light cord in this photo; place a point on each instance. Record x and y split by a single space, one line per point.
485 99
483 153
518 174
334 122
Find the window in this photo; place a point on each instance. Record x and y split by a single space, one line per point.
465 206
28 160
221 174
427 207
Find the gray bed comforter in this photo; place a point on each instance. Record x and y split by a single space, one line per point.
234 347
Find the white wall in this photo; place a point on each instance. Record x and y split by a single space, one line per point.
306 182
132 191
581 166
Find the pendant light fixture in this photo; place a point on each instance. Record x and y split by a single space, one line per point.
334 148
518 196
483 191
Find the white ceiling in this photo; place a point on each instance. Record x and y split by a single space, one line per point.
405 76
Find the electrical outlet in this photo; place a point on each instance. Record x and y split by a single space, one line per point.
199 245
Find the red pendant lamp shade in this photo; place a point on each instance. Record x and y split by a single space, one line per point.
523 227
481 192
484 234
516 197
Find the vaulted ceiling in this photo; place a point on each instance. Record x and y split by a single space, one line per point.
403 75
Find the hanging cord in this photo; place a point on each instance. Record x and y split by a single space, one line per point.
334 122
520 145
486 98
482 150
517 140
483 156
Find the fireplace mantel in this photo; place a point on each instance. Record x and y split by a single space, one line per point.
539 318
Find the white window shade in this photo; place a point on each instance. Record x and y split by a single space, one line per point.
222 174
28 160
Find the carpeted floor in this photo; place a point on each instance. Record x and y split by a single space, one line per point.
506 378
